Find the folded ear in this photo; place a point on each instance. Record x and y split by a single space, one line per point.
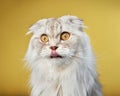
35 27
74 21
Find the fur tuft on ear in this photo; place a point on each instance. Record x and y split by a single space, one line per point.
35 27
29 32
75 21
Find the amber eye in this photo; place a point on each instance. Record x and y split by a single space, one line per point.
65 36
44 38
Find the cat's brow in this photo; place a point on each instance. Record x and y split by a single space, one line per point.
54 28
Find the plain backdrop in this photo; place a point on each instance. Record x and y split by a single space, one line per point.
101 16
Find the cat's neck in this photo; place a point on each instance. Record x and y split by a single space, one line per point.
65 82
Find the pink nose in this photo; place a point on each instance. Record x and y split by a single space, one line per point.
53 47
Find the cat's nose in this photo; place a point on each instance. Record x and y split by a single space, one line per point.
53 47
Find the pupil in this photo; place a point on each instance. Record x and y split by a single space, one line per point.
65 35
44 38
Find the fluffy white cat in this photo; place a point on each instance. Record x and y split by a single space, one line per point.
61 59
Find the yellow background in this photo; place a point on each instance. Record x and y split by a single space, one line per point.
101 16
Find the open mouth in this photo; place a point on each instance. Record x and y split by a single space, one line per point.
57 56
54 54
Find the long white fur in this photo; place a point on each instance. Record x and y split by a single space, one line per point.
73 75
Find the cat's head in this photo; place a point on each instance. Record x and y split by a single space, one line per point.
56 39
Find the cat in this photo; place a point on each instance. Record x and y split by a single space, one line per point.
61 59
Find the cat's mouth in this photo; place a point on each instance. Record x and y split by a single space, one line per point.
58 56
54 54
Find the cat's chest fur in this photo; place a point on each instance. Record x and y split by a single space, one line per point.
59 81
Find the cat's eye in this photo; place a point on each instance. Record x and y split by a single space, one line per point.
65 36
44 38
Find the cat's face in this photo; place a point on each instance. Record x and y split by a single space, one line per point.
56 39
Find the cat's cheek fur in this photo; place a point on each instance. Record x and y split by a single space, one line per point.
45 52
68 48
